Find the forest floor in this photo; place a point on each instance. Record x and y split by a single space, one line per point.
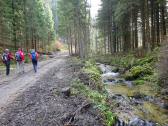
37 100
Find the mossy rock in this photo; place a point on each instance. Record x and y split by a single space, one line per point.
139 82
129 76
115 70
138 95
138 71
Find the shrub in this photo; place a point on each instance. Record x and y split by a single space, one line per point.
145 60
125 61
141 70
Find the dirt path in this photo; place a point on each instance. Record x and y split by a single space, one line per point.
12 86
35 99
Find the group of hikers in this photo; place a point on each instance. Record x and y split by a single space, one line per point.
19 56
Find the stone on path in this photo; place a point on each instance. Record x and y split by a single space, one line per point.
66 91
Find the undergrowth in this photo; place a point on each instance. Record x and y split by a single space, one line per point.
93 71
95 92
98 99
137 69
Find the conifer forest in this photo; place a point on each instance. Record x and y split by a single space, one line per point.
84 63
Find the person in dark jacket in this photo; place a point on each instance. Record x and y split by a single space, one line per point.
33 55
6 58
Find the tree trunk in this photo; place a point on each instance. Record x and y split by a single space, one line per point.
157 25
14 25
152 25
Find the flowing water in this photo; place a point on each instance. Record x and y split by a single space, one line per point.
135 105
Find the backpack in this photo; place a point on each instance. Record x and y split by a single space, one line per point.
5 58
33 54
18 56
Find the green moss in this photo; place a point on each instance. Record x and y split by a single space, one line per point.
151 78
153 113
91 66
139 82
145 89
139 72
99 99
145 60
129 76
92 70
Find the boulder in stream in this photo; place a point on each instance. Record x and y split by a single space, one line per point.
163 104
140 122
164 92
120 81
119 122
115 70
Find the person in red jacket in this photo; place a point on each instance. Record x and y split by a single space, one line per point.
34 56
6 58
20 57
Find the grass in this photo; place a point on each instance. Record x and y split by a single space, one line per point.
92 70
99 100
95 92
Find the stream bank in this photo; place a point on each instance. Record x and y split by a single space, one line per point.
134 105
121 102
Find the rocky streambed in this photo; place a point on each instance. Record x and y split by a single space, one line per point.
134 105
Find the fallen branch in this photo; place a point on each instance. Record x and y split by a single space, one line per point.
85 105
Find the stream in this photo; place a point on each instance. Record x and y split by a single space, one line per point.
134 105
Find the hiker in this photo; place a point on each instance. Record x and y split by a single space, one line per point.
19 56
34 57
6 58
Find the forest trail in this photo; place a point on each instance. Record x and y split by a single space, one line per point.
36 99
12 86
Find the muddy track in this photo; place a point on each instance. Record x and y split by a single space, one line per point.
42 104
28 69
